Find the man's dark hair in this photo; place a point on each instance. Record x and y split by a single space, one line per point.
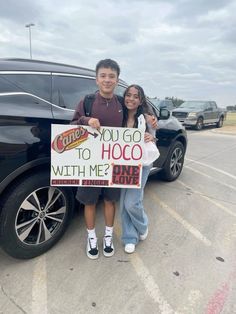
108 63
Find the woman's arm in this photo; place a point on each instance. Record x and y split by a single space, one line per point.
151 121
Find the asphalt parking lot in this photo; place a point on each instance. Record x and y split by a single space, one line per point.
186 265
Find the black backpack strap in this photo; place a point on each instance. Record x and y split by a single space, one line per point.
88 101
120 99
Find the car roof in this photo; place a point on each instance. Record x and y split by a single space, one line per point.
41 66
15 64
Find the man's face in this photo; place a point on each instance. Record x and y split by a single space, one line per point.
106 80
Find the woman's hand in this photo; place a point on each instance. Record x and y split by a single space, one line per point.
148 137
152 120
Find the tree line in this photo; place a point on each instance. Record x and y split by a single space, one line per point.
231 108
176 101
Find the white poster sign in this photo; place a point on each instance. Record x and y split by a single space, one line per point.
83 156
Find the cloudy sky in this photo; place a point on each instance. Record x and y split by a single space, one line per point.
180 48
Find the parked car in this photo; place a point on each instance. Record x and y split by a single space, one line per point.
163 103
33 95
197 114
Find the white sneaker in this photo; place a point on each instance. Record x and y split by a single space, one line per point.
108 247
130 248
92 248
143 236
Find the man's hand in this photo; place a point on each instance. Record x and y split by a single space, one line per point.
94 123
152 120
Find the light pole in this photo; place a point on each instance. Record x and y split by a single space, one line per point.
29 27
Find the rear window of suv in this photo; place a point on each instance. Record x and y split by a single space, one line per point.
36 84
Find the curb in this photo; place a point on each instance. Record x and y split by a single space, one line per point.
224 130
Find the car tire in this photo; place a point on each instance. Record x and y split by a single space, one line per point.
34 216
219 124
174 162
199 124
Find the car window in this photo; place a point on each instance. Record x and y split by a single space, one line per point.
169 104
208 106
213 105
193 105
36 84
119 90
154 109
155 102
165 103
69 90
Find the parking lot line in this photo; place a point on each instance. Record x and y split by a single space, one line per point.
39 287
150 285
213 168
210 177
146 278
217 204
196 233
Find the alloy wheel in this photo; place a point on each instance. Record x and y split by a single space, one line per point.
40 215
176 162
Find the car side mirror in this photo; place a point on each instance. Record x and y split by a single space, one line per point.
164 114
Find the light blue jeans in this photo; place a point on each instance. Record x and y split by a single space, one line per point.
134 220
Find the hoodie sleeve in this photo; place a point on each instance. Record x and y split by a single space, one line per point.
79 117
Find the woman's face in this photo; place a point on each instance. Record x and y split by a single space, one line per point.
132 99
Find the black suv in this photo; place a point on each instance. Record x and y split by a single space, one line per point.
33 95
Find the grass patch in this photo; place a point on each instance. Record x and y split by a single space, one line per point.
230 118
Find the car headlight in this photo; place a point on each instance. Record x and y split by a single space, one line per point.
192 114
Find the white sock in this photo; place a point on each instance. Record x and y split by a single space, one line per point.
91 233
108 231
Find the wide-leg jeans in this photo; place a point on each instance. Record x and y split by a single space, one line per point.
134 219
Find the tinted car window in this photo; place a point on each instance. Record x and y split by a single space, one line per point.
165 103
213 105
208 106
119 90
169 105
36 84
68 90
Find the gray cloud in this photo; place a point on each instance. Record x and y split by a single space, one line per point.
20 11
182 48
189 10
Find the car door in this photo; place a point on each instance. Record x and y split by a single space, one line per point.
208 113
214 117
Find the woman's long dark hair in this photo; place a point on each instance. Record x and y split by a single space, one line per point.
143 108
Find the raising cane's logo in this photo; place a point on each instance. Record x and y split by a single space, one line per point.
71 139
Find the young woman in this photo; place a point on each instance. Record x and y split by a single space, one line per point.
134 219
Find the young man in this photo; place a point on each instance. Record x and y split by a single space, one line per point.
106 111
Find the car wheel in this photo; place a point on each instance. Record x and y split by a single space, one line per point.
199 124
174 163
219 124
34 216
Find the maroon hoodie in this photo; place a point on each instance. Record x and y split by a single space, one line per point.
108 112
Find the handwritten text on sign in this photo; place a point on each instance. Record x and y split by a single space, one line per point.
83 156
